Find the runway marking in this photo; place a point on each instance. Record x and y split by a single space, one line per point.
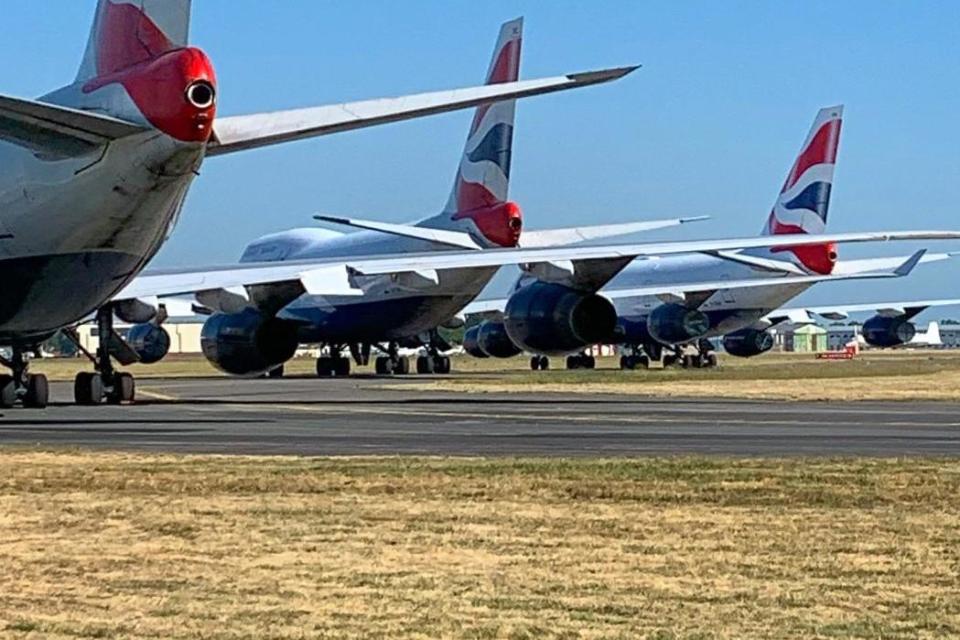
156 395
647 419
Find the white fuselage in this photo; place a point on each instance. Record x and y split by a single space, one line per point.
391 307
77 225
729 309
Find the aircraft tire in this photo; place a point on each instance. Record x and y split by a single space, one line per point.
88 389
8 392
341 367
38 392
425 365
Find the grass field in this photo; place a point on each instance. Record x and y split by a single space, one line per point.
900 375
131 546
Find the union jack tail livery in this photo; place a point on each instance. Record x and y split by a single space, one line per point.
479 201
804 201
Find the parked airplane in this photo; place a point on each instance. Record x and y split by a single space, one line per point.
405 310
96 173
683 300
890 326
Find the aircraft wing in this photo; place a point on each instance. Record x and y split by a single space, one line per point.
50 128
907 308
440 236
528 239
237 133
590 268
574 235
696 293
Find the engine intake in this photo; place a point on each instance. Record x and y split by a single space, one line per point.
149 341
675 324
747 343
881 331
247 343
553 319
471 343
493 340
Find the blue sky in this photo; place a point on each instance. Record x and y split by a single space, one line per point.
709 125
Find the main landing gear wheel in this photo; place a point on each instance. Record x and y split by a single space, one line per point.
37 394
385 366
333 367
539 363
581 361
634 362
276 372
31 390
88 388
425 365
106 383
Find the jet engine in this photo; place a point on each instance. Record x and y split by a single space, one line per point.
881 331
247 343
747 343
150 342
675 324
553 319
493 340
471 343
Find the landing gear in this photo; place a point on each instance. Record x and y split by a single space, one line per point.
31 390
392 364
433 363
634 361
581 361
704 357
539 363
105 384
334 365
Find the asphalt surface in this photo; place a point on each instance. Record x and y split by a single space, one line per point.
363 416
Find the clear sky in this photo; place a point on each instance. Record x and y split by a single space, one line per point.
709 125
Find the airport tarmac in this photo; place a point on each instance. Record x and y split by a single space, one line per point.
362 416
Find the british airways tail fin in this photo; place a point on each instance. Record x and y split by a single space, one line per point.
129 32
804 201
478 202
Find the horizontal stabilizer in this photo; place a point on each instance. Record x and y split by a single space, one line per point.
49 128
237 133
574 235
440 236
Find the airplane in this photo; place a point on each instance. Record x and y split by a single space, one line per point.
681 301
397 312
891 325
95 174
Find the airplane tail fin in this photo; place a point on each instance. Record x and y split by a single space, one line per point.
804 200
479 202
129 32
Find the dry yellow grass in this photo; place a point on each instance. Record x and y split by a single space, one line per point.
137 546
918 375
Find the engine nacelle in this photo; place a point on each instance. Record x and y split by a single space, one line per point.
247 343
747 343
553 319
471 342
675 324
493 340
149 341
881 331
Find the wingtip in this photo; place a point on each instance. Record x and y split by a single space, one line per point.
910 263
693 219
604 75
